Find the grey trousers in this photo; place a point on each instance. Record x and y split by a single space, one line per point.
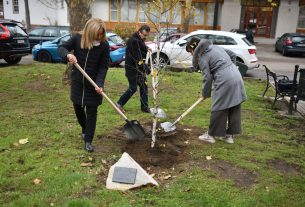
227 121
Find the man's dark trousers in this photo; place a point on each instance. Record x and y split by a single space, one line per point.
135 81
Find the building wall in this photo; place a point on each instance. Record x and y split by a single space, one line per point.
230 17
100 9
40 14
287 17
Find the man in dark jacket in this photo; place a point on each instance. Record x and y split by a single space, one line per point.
250 34
136 69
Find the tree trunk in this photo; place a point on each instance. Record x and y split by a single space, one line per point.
186 19
215 21
27 15
79 13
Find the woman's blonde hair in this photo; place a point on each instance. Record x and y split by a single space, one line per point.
94 30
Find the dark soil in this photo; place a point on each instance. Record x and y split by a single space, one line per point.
284 167
172 156
240 176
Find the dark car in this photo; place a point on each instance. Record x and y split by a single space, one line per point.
43 34
14 42
290 43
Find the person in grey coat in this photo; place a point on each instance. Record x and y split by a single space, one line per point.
217 65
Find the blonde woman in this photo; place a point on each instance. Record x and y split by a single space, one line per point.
91 52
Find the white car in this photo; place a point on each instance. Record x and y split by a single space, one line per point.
175 55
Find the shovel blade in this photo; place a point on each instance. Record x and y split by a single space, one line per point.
133 130
168 127
160 113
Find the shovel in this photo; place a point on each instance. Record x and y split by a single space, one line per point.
169 127
132 129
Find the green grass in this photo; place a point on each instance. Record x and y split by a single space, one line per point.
34 104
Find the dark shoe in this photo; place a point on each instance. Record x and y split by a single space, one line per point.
145 110
89 147
120 107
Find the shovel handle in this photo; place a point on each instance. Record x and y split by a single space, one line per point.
188 110
103 94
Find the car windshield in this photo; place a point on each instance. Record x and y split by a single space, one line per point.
36 32
116 39
15 30
298 39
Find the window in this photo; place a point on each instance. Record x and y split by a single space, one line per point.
128 10
15 30
142 8
63 32
200 36
176 18
197 14
301 21
15 7
64 39
50 32
114 10
221 40
36 32
210 14
116 40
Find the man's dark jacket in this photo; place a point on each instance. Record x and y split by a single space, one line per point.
136 51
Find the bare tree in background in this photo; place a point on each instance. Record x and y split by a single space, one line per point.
187 15
79 12
27 15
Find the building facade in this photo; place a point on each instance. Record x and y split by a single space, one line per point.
270 18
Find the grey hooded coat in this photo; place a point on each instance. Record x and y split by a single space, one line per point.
217 66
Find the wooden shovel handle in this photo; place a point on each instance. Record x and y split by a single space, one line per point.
188 110
103 94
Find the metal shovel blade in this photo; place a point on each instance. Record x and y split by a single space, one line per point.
160 113
133 130
168 127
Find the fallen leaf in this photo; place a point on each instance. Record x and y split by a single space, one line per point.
86 164
104 162
167 177
208 157
187 130
90 158
16 144
36 181
23 141
51 204
153 175
187 142
267 188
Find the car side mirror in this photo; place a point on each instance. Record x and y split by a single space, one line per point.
182 43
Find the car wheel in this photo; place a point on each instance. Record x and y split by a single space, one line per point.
284 52
12 60
163 60
44 56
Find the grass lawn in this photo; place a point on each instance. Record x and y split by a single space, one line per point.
269 156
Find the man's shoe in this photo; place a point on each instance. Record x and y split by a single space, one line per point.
145 110
207 138
120 107
88 147
228 138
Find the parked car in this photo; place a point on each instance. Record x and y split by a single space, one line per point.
175 55
290 43
47 51
14 42
165 32
43 34
239 31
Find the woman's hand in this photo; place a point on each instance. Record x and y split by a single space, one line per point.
99 90
71 58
